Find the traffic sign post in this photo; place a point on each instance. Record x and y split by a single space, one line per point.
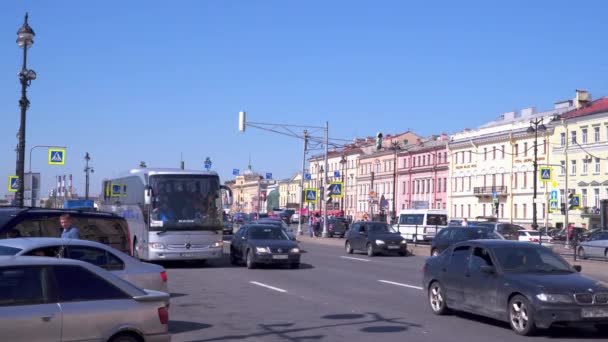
56 156
310 195
268 175
13 183
336 174
307 176
235 172
546 174
335 189
553 195
553 207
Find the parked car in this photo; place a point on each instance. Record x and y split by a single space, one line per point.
507 230
451 235
141 274
524 284
374 238
336 227
257 244
53 299
595 247
106 228
228 228
285 215
533 236
593 234
562 236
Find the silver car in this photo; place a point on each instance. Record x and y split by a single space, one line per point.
144 275
596 247
52 299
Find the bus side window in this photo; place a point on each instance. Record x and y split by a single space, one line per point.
27 228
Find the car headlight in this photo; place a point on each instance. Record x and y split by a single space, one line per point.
157 245
294 250
379 242
262 250
217 244
403 242
554 298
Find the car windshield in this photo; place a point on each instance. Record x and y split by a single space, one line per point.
5 250
533 233
186 202
380 228
530 259
267 234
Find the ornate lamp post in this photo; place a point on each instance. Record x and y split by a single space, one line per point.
87 169
535 127
25 39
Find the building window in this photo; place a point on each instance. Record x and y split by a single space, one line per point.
470 181
423 160
525 180
468 210
525 149
584 138
596 134
485 153
455 213
515 211
584 192
502 148
573 168
461 183
585 166
562 169
502 210
494 152
524 209
439 185
445 184
562 139
545 146
516 150
428 186
597 165
514 186
502 179
573 137
470 154
462 209
483 206
562 197
596 197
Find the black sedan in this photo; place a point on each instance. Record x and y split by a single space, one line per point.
522 283
374 238
263 244
451 235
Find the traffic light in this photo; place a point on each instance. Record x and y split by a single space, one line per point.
563 208
571 201
378 141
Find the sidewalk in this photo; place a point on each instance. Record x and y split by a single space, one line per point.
597 269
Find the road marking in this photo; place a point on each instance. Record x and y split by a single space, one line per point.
351 258
268 286
399 284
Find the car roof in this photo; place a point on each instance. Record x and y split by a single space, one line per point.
35 260
16 211
490 243
35 242
262 225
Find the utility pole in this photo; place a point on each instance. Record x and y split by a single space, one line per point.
325 233
371 201
566 191
302 193
87 170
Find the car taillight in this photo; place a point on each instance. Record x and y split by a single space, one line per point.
533 240
163 276
163 315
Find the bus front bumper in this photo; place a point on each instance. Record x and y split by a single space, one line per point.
186 254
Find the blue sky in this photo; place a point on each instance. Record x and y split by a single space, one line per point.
150 80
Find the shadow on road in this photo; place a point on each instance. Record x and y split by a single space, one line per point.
176 295
371 322
176 327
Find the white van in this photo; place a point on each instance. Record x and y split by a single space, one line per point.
421 224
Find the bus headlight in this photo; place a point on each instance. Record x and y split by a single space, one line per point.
157 245
217 244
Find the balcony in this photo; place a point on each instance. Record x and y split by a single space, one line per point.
482 191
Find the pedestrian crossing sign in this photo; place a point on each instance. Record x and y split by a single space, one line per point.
56 156
553 205
310 195
546 174
117 190
335 189
13 183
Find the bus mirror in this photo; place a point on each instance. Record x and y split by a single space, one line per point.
148 196
228 192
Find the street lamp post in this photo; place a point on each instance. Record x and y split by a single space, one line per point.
87 170
535 127
395 147
25 39
343 163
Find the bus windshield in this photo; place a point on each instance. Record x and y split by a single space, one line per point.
186 202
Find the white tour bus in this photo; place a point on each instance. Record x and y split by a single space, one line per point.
173 214
421 224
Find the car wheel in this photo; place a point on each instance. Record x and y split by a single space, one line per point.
126 337
521 316
437 299
249 262
415 239
434 252
402 253
370 250
601 327
581 253
349 250
294 265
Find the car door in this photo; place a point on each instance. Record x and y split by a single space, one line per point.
361 237
353 235
93 311
479 287
237 242
26 311
453 275
441 240
597 245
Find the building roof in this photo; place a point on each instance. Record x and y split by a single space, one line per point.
597 106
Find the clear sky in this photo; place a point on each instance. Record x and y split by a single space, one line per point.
129 81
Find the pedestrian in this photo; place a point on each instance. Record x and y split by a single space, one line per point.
69 230
318 225
311 225
464 222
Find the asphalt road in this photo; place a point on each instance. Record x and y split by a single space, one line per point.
333 297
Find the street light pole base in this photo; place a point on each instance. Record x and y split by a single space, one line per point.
325 234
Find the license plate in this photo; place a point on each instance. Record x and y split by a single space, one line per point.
279 257
188 255
594 312
393 247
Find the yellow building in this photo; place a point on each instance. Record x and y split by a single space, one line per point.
580 147
289 192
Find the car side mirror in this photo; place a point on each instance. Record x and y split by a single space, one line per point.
361 233
577 268
487 269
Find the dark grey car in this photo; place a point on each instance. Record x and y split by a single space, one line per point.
263 244
374 238
336 227
522 283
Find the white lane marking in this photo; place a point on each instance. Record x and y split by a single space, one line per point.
268 286
351 258
399 284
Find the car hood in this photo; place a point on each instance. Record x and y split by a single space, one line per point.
273 243
563 282
386 236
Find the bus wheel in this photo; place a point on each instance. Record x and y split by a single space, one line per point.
135 250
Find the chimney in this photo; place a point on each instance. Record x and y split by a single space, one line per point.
419 142
583 99
444 136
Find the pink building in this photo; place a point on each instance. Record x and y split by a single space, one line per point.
422 174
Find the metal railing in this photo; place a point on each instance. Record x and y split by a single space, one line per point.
489 190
